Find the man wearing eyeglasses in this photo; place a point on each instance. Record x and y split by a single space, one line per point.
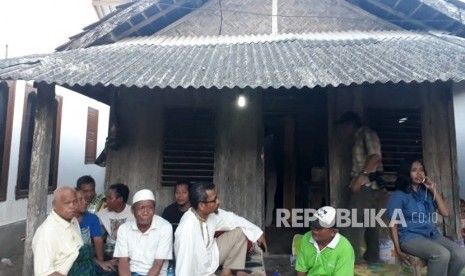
197 251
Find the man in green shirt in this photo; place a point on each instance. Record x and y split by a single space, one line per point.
323 250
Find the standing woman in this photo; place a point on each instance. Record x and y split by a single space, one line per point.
412 210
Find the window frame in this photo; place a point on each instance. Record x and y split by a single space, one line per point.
403 140
20 191
7 133
188 154
90 157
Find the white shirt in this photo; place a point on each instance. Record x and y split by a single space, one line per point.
56 245
195 247
144 248
112 220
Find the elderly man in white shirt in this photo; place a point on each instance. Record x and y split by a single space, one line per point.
142 246
57 241
197 251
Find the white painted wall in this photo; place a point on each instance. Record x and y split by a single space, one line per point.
39 26
72 148
459 114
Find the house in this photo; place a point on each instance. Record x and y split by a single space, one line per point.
172 83
72 155
72 112
441 15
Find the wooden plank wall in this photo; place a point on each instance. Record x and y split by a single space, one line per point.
137 163
339 148
238 150
439 150
439 146
238 158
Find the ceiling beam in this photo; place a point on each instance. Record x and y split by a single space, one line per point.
416 9
397 4
151 19
400 15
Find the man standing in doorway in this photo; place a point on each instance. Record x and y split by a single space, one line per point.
364 194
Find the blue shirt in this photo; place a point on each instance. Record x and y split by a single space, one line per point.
90 227
419 211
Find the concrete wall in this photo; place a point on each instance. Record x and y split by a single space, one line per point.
71 156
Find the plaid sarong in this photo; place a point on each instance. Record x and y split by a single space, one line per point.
84 265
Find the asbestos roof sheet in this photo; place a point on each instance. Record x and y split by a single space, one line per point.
304 60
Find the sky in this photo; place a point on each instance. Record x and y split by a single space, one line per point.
39 26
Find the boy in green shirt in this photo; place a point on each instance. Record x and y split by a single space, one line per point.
323 250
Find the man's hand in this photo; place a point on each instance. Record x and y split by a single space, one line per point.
108 265
358 183
156 267
262 243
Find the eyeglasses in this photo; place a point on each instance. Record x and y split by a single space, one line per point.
215 200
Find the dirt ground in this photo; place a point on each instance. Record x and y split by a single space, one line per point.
272 263
279 263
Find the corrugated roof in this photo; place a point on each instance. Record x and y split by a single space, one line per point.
138 18
305 60
254 17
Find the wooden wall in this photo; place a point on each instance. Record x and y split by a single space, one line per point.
440 151
238 171
138 161
238 157
439 148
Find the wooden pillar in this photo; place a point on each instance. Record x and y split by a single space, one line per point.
439 150
289 174
40 166
340 100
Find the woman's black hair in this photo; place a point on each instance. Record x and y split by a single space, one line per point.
403 174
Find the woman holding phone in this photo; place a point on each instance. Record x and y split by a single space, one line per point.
413 209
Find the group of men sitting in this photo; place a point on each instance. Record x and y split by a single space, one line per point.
137 241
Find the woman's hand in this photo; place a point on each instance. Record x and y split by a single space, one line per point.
405 258
429 184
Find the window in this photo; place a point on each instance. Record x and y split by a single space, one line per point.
188 152
400 135
6 120
25 150
91 136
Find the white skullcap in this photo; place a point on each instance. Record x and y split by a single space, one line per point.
144 194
